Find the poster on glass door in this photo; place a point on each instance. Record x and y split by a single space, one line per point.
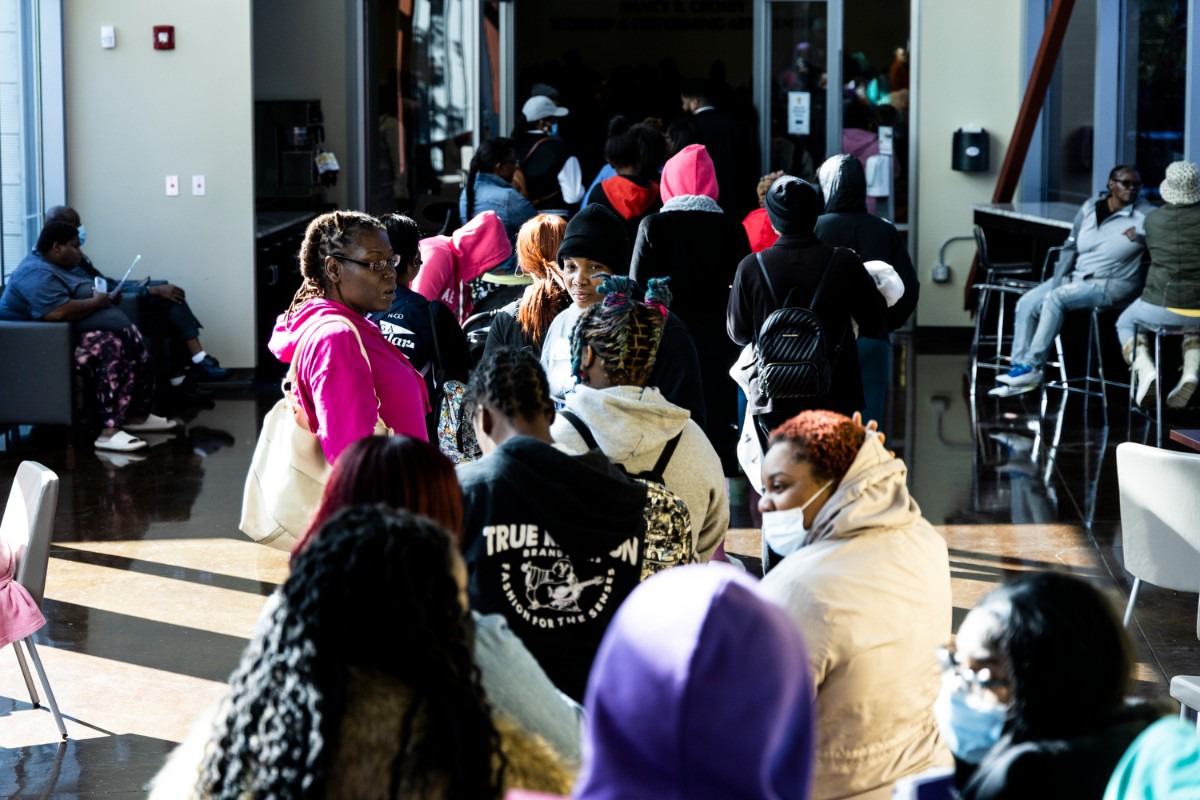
799 113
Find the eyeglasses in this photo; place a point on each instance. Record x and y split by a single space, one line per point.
972 679
1128 184
382 265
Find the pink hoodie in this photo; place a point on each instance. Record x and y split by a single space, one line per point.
448 262
690 171
334 382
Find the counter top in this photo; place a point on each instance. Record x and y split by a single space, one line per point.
1058 215
269 222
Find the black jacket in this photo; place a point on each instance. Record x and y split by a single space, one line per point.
1066 769
542 157
731 145
555 568
795 264
413 323
699 251
846 223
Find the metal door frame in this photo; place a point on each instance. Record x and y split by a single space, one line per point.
763 81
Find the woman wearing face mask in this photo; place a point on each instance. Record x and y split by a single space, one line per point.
867 580
1034 692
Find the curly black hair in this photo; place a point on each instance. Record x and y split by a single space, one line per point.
279 726
324 236
621 330
511 380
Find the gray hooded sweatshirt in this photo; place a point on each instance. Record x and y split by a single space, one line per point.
632 425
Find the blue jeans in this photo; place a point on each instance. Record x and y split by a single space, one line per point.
1149 314
1040 312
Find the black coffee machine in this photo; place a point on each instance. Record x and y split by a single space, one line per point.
289 135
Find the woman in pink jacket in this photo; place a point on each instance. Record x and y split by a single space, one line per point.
450 263
349 271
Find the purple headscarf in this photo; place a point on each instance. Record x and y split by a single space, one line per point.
700 690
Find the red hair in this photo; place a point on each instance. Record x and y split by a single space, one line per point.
537 246
398 471
828 441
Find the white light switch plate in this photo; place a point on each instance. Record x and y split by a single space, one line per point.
108 37
198 185
172 186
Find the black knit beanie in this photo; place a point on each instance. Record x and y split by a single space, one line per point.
598 234
793 205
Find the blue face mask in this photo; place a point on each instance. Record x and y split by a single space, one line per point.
82 234
554 129
971 722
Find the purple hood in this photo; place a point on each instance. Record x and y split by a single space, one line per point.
700 690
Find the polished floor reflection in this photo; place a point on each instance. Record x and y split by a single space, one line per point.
152 592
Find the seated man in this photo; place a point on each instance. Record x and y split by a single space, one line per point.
162 311
1102 266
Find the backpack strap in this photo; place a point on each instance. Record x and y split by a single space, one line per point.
660 466
767 279
824 276
439 367
581 429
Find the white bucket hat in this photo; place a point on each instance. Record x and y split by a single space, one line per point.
1181 186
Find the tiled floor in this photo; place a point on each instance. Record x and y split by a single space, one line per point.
152 592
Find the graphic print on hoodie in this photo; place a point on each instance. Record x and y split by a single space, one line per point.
554 543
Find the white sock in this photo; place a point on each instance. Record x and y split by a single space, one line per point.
196 359
178 380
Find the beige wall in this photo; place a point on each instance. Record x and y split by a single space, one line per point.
300 49
967 68
136 115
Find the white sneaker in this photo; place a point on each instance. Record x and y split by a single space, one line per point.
1022 375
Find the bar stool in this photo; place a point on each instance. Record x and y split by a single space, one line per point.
999 278
1093 381
1159 332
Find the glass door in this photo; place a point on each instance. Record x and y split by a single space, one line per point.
798 75
423 63
824 88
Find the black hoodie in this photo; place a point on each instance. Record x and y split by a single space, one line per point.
553 542
846 223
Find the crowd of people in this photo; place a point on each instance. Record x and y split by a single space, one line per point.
562 615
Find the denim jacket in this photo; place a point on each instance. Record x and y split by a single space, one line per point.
493 193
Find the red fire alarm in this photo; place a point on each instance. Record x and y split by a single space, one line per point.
164 37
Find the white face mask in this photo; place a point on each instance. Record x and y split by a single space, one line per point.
784 530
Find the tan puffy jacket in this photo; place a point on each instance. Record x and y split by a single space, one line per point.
871 596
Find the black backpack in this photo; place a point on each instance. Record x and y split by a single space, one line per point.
793 355
656 472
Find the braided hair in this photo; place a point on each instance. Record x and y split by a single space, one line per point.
622 331
326 235
511 380
537 250
278 729
488 158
